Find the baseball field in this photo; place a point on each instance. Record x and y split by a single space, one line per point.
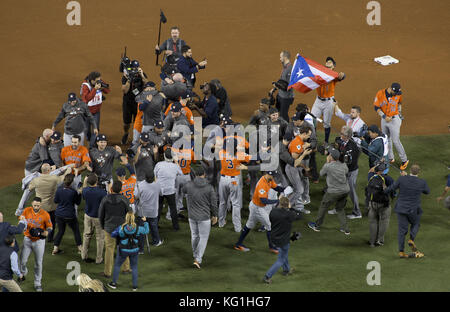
44 58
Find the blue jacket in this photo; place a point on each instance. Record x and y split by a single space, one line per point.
8 229
410 190
66 198
188 68
120 232
376 146
93 197
211 109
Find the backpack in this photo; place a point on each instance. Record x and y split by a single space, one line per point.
374 190
131 240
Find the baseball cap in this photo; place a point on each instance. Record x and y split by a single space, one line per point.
373 128
158 124
271 172
380 167
145 137
56 135
101 137
186 95
299 116
149 84
334 153
120 172
329 58
273 110
265 101
72 97
135 63
396 88
176 107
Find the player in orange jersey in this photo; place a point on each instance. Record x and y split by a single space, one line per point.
78 155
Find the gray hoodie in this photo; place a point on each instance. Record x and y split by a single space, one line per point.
76 117
112 211
201 199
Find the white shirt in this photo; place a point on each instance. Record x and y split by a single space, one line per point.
356 124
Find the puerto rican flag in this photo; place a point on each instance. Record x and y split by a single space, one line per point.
308 75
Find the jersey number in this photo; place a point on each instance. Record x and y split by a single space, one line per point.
183 163
230 164
128 194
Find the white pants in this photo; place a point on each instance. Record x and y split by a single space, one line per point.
230 191
38 248
68 138
258 214
325 108
199 237
392 130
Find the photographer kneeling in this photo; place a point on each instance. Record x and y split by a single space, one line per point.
281 219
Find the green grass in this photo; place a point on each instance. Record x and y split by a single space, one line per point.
325 261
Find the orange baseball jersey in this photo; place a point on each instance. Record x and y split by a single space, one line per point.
327 91
185 110
36 220
128 188
241 141
185 157
229 163
296 145
78 157
139 119
262 191
388 106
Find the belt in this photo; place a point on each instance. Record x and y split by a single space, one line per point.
323 99
223 175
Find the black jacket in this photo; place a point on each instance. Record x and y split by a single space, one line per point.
352 149
112 211
8 229
281 223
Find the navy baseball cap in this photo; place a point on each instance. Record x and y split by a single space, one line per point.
380 167
373 128
145 137
101 137
72 97
186 95
331 59
299 116
120 172
396 88
158 124
273 110
149 84
56 135
135 63
176 107
271 172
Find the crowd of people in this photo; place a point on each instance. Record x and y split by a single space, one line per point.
123 209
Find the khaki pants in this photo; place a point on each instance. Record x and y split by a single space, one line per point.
10 285
110 247
91 225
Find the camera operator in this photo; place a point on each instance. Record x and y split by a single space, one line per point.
151 106
209 109
172 46
133 82
350 155
92 89
281 219
222 97
375 144
102 158
168 70
188 67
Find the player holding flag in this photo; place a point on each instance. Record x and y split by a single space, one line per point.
308 75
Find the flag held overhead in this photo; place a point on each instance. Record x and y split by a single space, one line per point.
163 17
308 75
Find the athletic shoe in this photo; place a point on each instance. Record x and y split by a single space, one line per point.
21 280
267 280
101 262
332 211
112 285
352 216
403 254
412 245
313 226
307 202
371 245
197 265
404 165
38 288
290 272
135 289
261 229
346 232
305 211
168 217
221 226
417 254
273 250
88 260
124 139
378 243
57 252
159 243
241 248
